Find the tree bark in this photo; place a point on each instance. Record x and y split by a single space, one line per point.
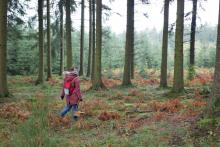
192 41
40 79
132 48
163 75
61 38
132 62
90 39
68 35
129 43
178 84
93 39
49 72
97 82
82 39
3 48
214 104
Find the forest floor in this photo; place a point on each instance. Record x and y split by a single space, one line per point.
141 115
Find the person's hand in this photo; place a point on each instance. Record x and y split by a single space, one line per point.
61 97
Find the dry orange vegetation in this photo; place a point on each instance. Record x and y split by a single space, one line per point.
104 116
203 76
56 121
170 106
12 110
120 111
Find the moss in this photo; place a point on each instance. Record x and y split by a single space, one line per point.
191 72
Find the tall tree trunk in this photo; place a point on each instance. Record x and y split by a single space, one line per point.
49 72
192 41
93 39
214 104
68 35
178 84
97 82
132 62
163 74
82 39
41 43
3 48
129 43
61 38
90 39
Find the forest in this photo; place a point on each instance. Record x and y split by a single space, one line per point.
150 87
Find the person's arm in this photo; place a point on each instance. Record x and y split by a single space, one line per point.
76 85
62 92
76 90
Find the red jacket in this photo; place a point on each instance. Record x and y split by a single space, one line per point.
75 93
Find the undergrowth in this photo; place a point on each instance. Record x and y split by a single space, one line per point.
141 115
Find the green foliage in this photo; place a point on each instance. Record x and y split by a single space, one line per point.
206 90
147 53
208 122
191 72
113 50
208 134
23 50
34 131
205 46
205 55
135 127
16 11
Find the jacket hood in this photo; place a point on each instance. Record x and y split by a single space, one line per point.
74 72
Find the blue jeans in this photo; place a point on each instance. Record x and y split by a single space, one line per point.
67 108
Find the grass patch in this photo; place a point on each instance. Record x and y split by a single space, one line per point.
141 115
